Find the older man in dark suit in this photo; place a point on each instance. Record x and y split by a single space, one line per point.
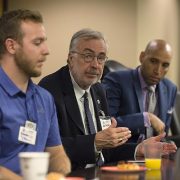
87 142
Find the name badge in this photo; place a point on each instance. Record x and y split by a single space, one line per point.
105 121
28 133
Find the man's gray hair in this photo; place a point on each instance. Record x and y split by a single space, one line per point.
86 34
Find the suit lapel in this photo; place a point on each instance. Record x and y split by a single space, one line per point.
96 103
163 101
138 90
70 101
73 111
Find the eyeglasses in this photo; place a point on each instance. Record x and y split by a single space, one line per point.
89 57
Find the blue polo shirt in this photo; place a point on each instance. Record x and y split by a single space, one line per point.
16 107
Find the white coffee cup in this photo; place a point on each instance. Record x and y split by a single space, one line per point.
34 165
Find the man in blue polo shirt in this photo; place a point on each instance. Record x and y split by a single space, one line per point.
28 119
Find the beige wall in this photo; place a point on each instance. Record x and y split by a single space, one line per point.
127 24
115 18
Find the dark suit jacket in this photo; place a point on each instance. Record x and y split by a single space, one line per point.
125 100
79 147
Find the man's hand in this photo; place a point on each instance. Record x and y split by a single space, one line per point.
167 147
112 136
156 123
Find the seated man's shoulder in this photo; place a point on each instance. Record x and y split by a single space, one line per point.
168 83
43 93
49 78
49 82
98 86
118 75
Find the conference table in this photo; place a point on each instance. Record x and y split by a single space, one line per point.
170 170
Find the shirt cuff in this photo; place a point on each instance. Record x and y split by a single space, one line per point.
140 151
147 122
135 152
97 153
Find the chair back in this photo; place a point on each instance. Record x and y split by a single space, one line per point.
112 65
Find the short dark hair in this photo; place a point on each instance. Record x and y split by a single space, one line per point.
10 25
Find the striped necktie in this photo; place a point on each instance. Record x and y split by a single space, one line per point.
151 99
150 106
88 115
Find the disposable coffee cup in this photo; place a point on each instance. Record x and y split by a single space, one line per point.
34 165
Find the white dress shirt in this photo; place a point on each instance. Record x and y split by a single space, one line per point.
79 92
